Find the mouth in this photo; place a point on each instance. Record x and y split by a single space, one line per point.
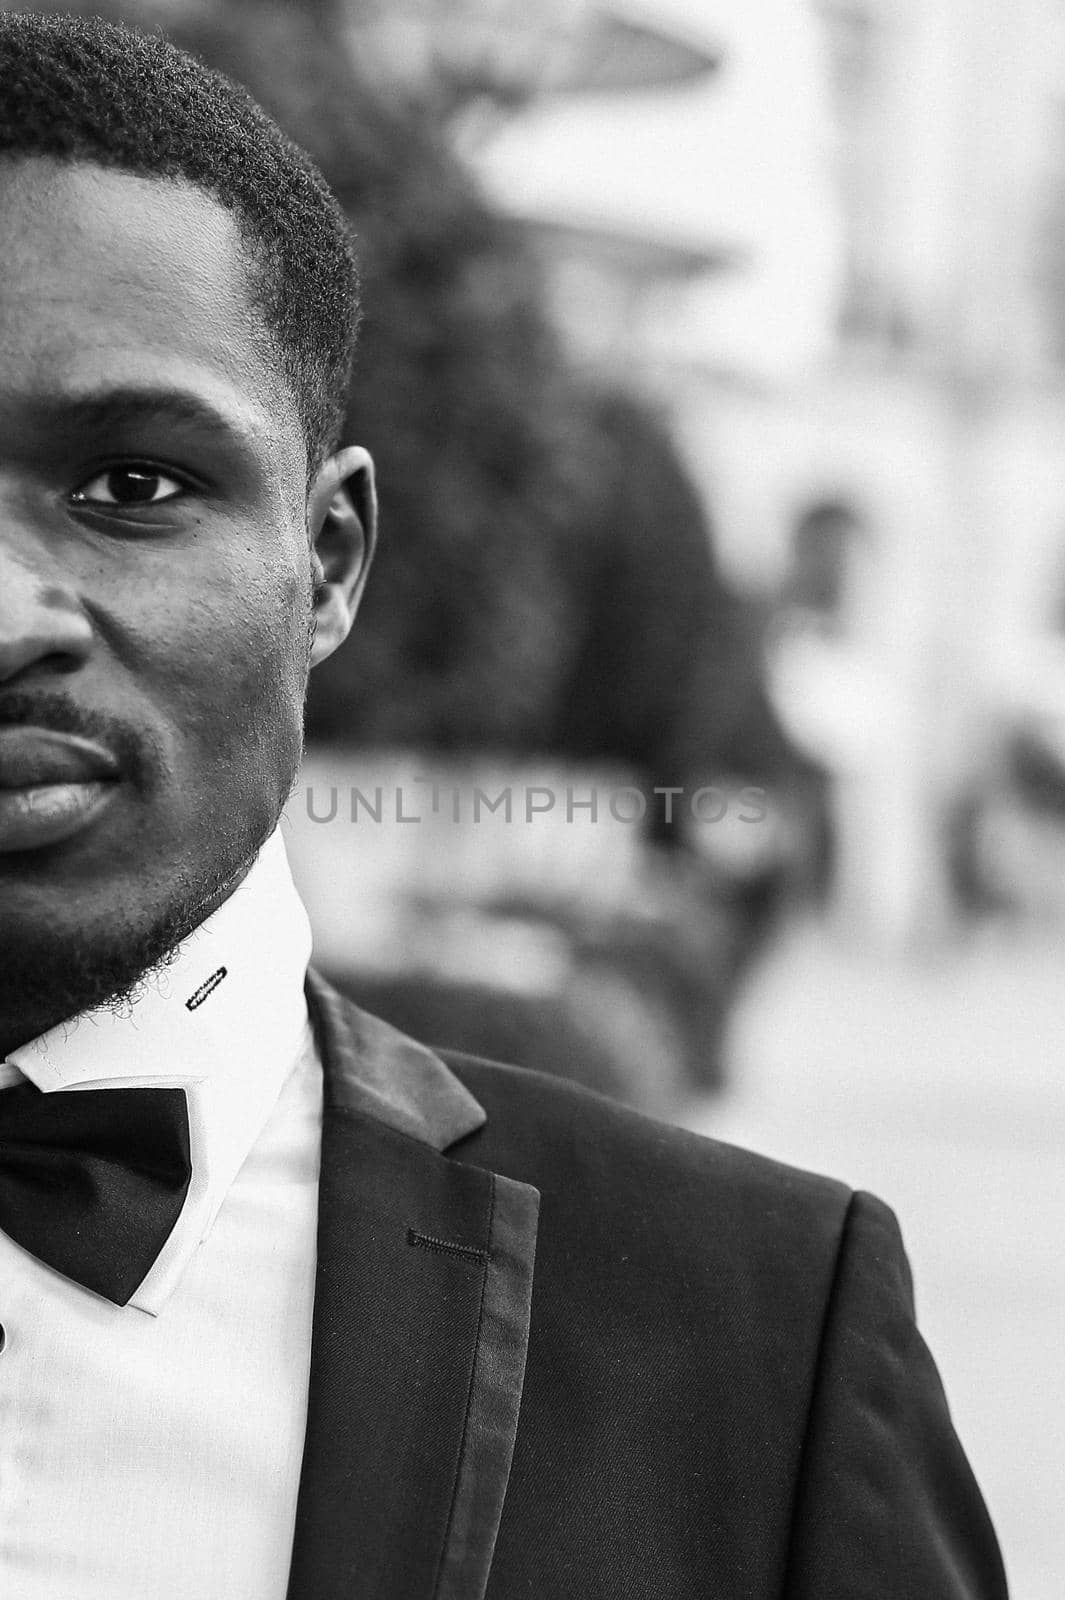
52 785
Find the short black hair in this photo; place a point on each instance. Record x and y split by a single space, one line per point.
83 89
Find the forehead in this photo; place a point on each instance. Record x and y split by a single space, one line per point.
107 278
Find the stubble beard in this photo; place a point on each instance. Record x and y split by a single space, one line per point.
44 980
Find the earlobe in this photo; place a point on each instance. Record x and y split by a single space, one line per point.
342 519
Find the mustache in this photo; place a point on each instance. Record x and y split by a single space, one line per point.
136 749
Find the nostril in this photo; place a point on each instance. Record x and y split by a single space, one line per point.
17 663
36 653
60 661
42 625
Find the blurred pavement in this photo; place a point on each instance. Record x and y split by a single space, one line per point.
939 1084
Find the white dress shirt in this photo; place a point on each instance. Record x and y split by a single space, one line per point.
152 1451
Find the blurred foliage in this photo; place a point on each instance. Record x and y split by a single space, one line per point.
545 579
666 672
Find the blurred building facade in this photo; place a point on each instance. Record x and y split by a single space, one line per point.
832 240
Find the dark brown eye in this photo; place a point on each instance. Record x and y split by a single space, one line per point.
136 485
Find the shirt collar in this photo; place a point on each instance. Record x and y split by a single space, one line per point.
226 1021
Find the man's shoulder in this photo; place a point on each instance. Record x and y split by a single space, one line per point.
615 1185
566 1122
636 1174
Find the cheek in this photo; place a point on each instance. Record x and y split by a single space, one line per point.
224 660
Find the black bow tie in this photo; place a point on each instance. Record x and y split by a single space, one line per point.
93 1180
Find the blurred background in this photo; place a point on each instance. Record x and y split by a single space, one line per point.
714 365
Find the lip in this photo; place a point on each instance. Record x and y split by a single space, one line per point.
32 818
52 785
33 758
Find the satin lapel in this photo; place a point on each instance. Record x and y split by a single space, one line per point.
420 1329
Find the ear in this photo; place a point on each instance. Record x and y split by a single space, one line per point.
342 523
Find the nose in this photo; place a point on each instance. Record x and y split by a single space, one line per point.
42 623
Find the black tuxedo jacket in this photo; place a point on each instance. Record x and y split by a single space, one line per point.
561 1352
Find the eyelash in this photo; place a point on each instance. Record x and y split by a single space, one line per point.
142 468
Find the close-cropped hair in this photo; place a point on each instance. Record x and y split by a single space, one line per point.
82 89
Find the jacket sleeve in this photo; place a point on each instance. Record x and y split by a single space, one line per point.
886 1504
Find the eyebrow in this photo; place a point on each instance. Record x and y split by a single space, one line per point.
126 405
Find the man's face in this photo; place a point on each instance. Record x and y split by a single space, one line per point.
155 577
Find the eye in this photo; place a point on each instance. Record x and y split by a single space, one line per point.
136 484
